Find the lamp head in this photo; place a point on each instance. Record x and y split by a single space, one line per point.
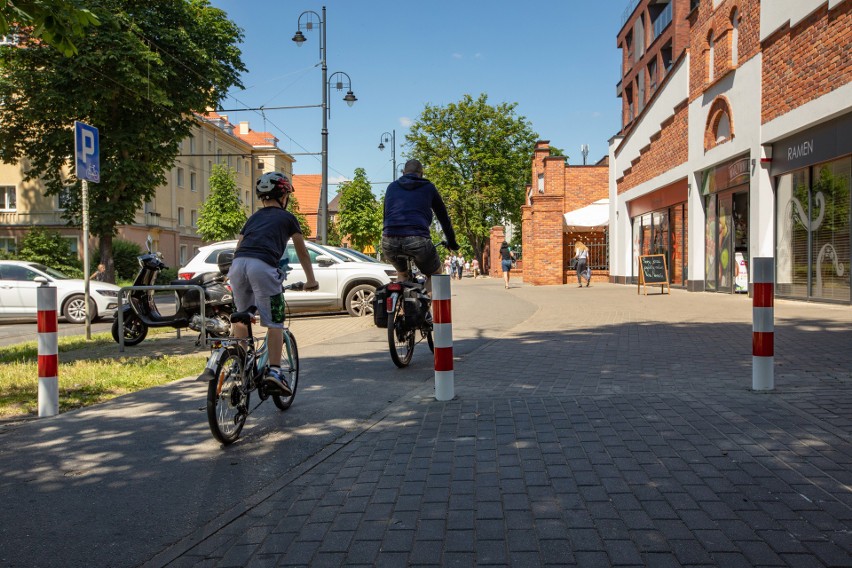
350 98
381 146
299 38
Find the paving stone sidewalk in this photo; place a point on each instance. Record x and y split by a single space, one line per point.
610 431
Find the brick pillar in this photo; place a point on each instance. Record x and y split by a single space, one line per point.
546 241
498 235
527 244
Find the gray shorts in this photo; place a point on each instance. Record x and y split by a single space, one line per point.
255 283
419 249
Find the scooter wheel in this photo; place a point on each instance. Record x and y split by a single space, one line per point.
135 330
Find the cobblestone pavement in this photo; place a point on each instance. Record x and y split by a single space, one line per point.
606 429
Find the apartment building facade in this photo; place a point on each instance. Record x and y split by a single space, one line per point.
742 150
170 217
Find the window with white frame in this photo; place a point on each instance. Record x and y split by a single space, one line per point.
193 181
7 245
239 165
181 217
182 255
248 198
219 156
8 198
192 144
248 168
180 177
63 199
73 244
193 214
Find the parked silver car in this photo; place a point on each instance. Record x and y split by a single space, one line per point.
344 285
19 281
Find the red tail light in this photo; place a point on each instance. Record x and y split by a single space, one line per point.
394 287
186 275
389 304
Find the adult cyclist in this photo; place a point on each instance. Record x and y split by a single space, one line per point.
409 204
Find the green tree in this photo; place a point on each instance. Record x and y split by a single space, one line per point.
478 155
222 214
50 249
141 78
360 216
293 207
335 239
59 23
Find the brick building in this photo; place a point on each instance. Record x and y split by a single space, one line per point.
557 189
740 147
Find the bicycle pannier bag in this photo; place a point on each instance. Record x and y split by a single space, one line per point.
380 314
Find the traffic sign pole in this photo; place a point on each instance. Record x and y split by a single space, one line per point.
88 162
86 269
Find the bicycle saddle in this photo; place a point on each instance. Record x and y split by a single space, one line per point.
244 317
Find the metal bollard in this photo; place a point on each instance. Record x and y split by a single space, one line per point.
763 329
48 351
443 336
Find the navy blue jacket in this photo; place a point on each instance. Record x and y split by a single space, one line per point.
409 203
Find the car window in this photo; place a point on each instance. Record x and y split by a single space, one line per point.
213 257
293 258
334 254
52 272
14 272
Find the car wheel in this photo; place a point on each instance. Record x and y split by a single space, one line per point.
359 300
75 309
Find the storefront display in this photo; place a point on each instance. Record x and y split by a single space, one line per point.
660 227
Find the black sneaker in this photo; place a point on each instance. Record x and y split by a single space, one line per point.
276 384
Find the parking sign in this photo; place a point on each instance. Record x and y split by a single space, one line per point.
87 152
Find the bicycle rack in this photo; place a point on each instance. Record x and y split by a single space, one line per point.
172 288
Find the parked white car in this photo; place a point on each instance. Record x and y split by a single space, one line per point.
353 254
343 284
18 296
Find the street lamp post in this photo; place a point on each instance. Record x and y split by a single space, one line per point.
389 137
299 38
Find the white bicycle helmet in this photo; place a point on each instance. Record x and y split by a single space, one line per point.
273 185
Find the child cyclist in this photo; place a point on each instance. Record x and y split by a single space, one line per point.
255 277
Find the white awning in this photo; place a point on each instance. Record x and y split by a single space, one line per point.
588 218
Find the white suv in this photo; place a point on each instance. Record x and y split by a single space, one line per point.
343 284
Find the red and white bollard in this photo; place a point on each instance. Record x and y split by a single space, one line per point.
763 329
48 351
442 333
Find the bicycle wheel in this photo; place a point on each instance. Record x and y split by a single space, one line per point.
227 398
290 370
400 339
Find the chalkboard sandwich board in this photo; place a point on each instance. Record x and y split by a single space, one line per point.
652 270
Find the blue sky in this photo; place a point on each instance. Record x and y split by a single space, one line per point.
557 60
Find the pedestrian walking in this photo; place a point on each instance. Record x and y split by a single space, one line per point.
581 253
506 258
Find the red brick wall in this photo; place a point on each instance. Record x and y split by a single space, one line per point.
546 266
803 63
668 148
497 238
705 20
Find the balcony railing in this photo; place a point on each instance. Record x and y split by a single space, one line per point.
152 219
663 20
631 5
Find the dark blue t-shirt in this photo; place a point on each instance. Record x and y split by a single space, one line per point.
266 233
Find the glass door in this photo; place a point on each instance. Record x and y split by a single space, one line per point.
725 244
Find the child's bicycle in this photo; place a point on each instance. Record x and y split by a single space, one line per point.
236 368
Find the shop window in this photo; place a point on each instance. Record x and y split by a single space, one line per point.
830 231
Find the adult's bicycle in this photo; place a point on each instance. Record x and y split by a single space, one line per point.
236 368
406 306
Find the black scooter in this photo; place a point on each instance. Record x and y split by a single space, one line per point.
140 312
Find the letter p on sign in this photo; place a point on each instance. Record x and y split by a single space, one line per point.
87 152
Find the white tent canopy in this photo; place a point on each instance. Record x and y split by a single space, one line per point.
588 218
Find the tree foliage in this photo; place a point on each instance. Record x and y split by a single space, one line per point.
50 249
140 78
222 214
478 155
59 23
360 215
